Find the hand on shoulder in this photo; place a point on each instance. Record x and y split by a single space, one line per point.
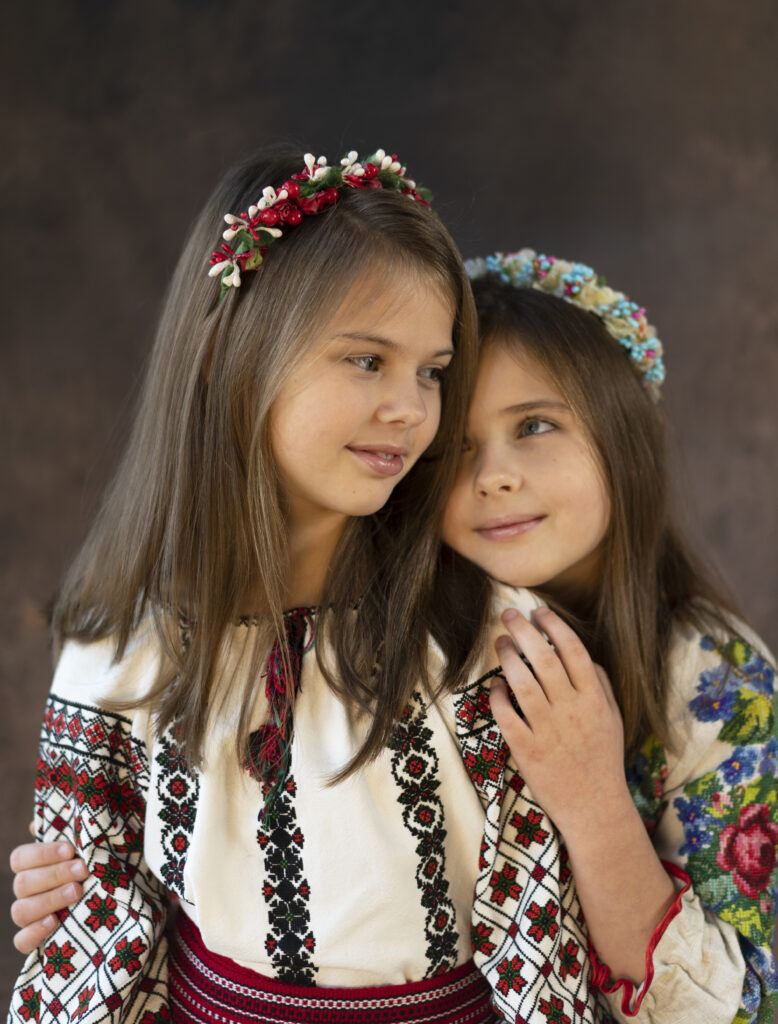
47 879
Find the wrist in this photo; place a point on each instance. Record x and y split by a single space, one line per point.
607 811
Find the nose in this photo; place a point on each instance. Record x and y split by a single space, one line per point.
403 403
495 474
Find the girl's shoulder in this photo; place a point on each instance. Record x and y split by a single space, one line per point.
91 673
721 687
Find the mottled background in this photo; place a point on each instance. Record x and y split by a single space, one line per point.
639 137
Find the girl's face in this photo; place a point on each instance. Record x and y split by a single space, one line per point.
529 504
364 401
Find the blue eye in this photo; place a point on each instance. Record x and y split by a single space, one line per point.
534 426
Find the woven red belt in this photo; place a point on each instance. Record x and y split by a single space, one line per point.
206 987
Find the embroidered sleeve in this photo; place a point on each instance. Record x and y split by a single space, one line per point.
528 936
713 813
107 960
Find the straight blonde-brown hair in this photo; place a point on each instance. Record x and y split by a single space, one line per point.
651 580
194 518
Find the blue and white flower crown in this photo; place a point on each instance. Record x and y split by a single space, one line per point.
577 283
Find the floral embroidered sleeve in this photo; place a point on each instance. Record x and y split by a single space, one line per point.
107 960
710 805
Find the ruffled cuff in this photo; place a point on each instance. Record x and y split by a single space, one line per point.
632 997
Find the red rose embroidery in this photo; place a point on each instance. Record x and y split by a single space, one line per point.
748 849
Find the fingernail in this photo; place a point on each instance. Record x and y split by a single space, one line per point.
510 614
540 612
502 642
70 892
49 921
63 850
76 868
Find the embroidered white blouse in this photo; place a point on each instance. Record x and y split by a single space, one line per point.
432 854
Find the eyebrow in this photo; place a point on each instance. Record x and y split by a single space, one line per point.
537 403
379 339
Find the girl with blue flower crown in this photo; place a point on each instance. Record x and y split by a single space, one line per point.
636 711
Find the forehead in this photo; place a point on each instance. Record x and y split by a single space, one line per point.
382 290
508 375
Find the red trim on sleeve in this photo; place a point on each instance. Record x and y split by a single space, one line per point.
601 975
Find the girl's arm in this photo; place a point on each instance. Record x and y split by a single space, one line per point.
710 816
47 880
569 748
107 957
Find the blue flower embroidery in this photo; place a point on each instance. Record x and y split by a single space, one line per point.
767 766
740 765
760 675
717 689
694 815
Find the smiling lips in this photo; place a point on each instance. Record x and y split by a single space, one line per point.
507 527
385 459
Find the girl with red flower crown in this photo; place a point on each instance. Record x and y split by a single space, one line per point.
656 760
248 715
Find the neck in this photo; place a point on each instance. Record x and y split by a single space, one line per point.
311 547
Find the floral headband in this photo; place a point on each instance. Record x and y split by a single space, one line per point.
310 192
623 319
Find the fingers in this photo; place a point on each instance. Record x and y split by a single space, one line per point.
547 667
33 935
607 689
40 909
31 829
38 855
526 688
36 881
513 729
570 650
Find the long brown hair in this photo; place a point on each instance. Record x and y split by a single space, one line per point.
650 578
194 518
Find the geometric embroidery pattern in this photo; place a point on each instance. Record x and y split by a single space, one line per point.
290 941
528 935
178 790
415 768
106 959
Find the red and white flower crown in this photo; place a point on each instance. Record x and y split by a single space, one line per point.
310 192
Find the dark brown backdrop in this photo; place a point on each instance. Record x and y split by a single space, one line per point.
637 137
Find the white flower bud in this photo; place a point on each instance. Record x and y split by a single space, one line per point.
309 160
216 269
380 154
229 234
395 166
230 219
269 193
352 156
322 161
253 211
283 194
386 162
319 173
